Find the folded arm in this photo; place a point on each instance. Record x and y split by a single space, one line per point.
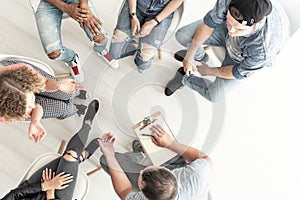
73 10
66 85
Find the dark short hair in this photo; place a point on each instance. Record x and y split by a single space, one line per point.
159 184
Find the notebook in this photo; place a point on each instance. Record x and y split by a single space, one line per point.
157 155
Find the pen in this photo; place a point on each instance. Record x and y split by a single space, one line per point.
146 135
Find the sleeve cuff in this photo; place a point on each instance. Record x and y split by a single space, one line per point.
236 73
209 22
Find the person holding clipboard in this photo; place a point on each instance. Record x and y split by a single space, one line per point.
134 181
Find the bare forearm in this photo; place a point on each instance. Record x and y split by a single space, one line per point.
51 85
83 4
50 194
223 72
37 113
189 153
202 34
57 3
119 179
171 7
132 6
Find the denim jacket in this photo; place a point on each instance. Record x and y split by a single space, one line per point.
257 49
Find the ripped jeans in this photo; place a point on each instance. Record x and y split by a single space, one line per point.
48 20
145 11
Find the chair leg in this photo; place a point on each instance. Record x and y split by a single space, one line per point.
206 48
159 53
62 147
94 171
64 75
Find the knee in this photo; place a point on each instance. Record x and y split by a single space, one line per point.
147 52
118 43
100 39
54 54
71 156
119 36
181 37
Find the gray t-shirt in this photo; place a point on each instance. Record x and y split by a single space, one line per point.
193 182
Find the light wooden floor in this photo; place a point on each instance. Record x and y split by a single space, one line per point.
252 137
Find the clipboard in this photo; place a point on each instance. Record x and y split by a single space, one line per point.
157 155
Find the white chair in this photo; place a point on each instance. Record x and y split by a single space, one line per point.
82 183
33 61
177 17
45 67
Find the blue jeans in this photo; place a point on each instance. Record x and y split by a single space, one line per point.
145 11
212 91
48 19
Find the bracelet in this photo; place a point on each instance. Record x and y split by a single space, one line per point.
155 19
132 15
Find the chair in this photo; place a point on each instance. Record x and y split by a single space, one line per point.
173 27
45 67
82 184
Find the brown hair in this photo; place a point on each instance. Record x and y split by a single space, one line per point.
14 84
235 13
159 184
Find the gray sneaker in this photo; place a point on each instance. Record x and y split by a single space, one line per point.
137 147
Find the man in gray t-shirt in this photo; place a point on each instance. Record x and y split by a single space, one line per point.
252 31
133 181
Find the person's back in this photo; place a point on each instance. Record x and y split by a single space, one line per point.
193 182
135 181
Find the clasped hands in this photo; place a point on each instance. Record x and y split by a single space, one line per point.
84 16
190 66
138 31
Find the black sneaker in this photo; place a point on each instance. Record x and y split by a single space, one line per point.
179 55
83 94
92 110
137 147
175 83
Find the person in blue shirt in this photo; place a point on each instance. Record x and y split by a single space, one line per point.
252 31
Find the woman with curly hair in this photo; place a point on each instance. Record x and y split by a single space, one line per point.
29 93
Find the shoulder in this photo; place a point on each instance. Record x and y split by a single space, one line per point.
135 196
199 169
193 180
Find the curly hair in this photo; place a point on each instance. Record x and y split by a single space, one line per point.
14 84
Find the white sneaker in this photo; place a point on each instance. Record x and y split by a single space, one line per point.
75 70
109 60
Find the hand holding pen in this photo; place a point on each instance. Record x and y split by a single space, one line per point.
160 137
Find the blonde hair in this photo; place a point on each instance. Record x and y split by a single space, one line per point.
14 84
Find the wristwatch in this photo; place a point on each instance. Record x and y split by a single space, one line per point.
132 14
